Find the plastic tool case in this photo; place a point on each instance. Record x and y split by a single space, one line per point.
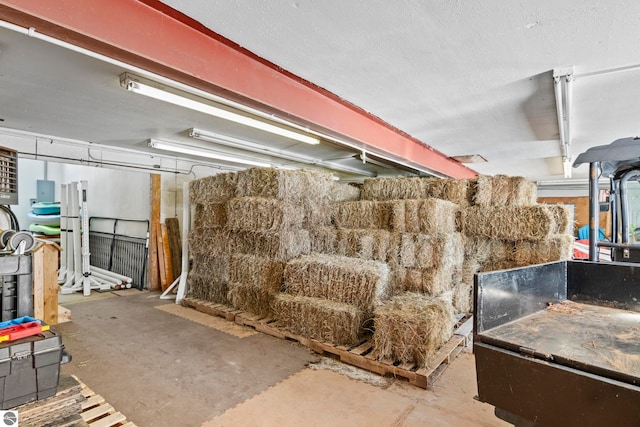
30 368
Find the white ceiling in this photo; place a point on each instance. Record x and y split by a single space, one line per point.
465 77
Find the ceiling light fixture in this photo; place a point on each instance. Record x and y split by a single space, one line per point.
133 85
563 86
200 152
242 144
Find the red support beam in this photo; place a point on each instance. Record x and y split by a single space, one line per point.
150 35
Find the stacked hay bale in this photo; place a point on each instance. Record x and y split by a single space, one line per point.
330 297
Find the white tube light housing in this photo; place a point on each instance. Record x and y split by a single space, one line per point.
563 87
140 88
200 152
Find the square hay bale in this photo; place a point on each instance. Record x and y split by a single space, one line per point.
500 190
324 240
430 216
463 298
499 265
262 214
352 281
344 193
509 222
252 298
293 186
483 191
558 247
256 270
411 327
501 250
320 319
503 190
215 267
213 189
210 215
469 268
458 191
210 241
393 189
424 251
429 282
522 192
365 244
562 217
434 187
317 213
206 289
370 215
281 245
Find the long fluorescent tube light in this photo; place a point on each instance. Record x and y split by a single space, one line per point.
563 87
274 152
162 95
194 151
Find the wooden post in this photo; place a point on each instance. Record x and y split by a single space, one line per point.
154 276
162 266
45 283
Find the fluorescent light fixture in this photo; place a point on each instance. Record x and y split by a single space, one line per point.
242 144
200 152
182 101
567 166
470 158
563 87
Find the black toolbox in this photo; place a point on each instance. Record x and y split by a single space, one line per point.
30 368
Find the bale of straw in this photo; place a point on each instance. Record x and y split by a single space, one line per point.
562 218
352 281
522 192
282 245
509 222
424 251
430 216
215 267
344 193
483 191
393 189
213 189
501 250
202 287
469 269
290 185
262 214
256 270
557 247
252 298
499 265
434 187
410 328
210 215
365 244
324 240
500 190
210 241
317 213
457 191
320 319
462 298
434 281
366 214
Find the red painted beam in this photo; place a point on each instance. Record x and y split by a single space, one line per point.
150 35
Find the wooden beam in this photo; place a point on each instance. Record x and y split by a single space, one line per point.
154 274
173 230
45 283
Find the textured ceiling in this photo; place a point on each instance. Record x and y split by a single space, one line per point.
465 77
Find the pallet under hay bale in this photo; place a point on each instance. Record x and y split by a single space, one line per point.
410 328
262 214
213 189
321 319
361 283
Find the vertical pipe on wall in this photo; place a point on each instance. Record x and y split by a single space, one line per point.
594 211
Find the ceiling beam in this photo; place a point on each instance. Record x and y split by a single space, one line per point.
150 35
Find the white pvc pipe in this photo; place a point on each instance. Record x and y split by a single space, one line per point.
106 278
186 225
111 274
63 233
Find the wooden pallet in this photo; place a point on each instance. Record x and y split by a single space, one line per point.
358 355
96 412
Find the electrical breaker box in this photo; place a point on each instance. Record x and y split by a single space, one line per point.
8 176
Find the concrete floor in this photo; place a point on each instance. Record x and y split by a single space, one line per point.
161 369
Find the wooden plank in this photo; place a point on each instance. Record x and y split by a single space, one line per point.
362 348
94 400
64 314
162 271
175 244
466 328
96 412
109 421
154 274
166 252
38 283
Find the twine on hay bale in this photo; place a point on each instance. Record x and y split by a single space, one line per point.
393 188
320 319
430 216
558 247
411 327
202 287
256 270
282 245
344 193
210 215
366 214
251 297
424 251
352 281
215 188
215 267
509 222
261 214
